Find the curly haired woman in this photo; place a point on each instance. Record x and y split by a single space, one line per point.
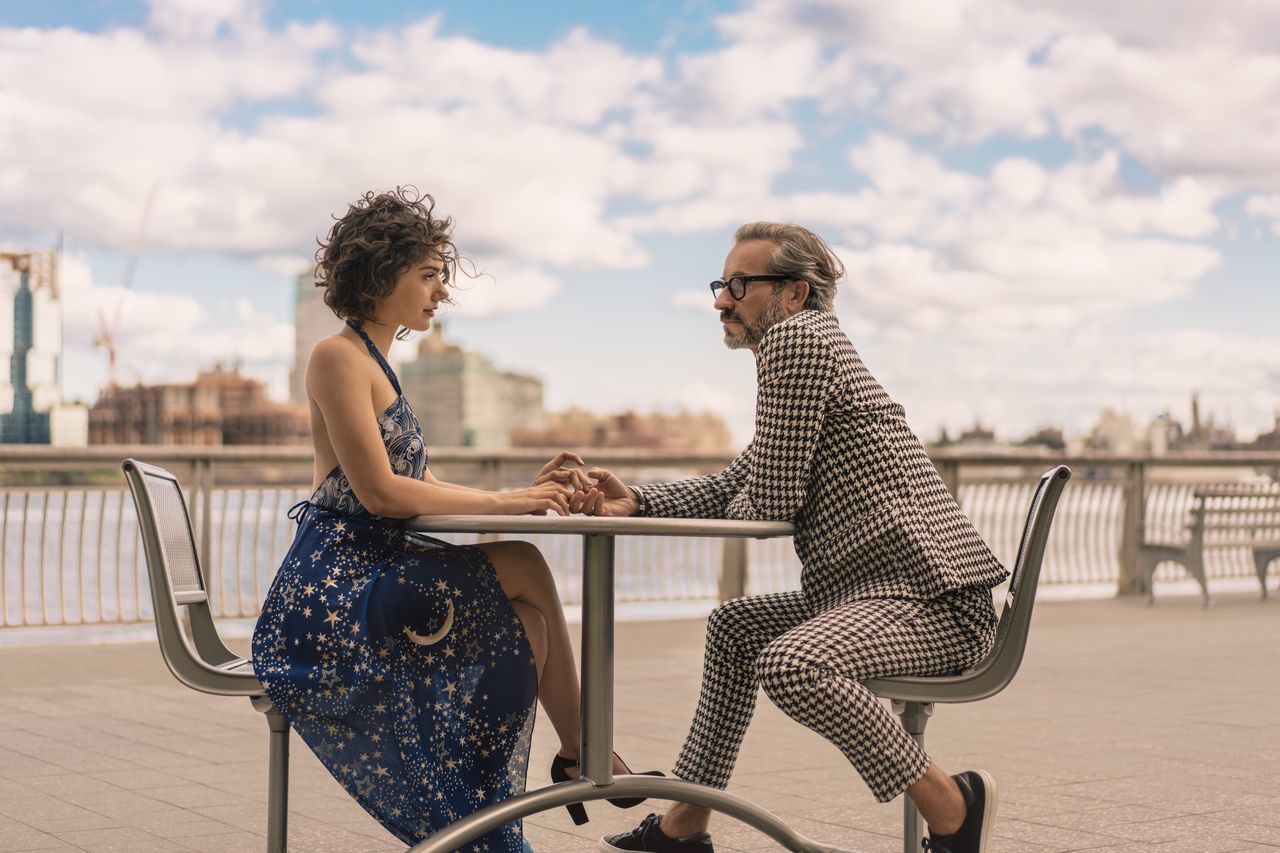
409 666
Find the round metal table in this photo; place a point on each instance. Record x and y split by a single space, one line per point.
597 780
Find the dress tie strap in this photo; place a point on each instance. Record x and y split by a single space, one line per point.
299 511
382 362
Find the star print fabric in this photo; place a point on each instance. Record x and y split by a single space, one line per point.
399 661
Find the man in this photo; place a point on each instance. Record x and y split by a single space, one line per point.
895 580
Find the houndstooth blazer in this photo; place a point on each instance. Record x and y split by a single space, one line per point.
833 454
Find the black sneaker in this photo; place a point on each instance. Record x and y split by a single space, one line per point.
980 797
651 839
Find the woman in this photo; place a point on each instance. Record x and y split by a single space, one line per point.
408 665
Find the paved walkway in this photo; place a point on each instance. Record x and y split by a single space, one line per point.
1128 728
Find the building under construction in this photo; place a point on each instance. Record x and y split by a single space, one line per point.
220 407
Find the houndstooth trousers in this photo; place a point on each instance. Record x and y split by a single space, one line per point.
811 664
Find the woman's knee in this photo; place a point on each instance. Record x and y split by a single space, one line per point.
520 567
513 552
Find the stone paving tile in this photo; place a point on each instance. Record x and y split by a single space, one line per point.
1056 836
69 785
191 826
121 840
228 842
50 814
16 765
328 838
15 836
1201 845
135 778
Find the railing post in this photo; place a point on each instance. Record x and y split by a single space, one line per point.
490 479
492 468
1133 528
949 471
733 569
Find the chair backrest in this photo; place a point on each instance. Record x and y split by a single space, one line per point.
173 568
997 669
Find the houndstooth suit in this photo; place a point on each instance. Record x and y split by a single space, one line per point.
894 579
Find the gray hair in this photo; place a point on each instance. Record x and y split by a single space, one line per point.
799 254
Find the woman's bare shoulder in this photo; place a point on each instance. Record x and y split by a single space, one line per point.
335 357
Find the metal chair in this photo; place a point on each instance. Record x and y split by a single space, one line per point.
197 656
913 697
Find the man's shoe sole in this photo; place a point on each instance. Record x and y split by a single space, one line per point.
988 814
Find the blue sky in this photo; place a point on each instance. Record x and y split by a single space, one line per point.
1039 210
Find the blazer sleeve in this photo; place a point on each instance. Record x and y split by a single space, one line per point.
697 497
795 374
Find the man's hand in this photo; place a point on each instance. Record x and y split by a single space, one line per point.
607 495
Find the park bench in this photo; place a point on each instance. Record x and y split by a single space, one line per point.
1236 516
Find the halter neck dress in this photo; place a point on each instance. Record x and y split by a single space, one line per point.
398 659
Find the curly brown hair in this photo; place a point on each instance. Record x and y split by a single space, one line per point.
380 237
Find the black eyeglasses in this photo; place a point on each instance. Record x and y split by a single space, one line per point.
737 284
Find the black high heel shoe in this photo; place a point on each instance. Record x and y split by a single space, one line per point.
559 773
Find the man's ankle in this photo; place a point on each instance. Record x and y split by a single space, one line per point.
682 821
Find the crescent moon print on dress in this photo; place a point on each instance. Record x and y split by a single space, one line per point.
432 639
422 730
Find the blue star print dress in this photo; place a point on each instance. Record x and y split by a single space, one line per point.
399 660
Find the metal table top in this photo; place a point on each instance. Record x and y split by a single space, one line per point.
587 525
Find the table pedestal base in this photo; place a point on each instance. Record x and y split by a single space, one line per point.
583 790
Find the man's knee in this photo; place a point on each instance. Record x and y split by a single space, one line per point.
786 666
725 625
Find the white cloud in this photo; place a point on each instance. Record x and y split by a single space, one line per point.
200 19
1088 367
1266 207
704 397
286 265
1023 248
502 287
1162 78
694 300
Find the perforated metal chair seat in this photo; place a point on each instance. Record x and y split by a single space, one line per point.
195 654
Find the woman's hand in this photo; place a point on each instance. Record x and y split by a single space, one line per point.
555 472
536 500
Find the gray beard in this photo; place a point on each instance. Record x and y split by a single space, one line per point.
753 333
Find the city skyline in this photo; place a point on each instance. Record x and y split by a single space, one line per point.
1039 212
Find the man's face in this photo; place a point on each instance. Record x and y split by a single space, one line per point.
746 320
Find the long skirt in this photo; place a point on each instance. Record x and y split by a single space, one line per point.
403 666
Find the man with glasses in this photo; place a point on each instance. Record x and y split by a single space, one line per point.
895 579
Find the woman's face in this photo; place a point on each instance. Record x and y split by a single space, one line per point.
418 292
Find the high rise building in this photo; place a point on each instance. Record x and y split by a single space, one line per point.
463 400
312 321
30 346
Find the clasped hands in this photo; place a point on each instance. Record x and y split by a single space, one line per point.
590 491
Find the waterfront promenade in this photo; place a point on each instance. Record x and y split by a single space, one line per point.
1128 728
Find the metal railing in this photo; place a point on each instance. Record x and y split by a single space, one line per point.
70 549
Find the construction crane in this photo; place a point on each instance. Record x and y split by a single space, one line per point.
108 331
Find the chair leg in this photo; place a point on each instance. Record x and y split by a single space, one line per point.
1195 566
1261 560
278 784
915 716
1146 576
